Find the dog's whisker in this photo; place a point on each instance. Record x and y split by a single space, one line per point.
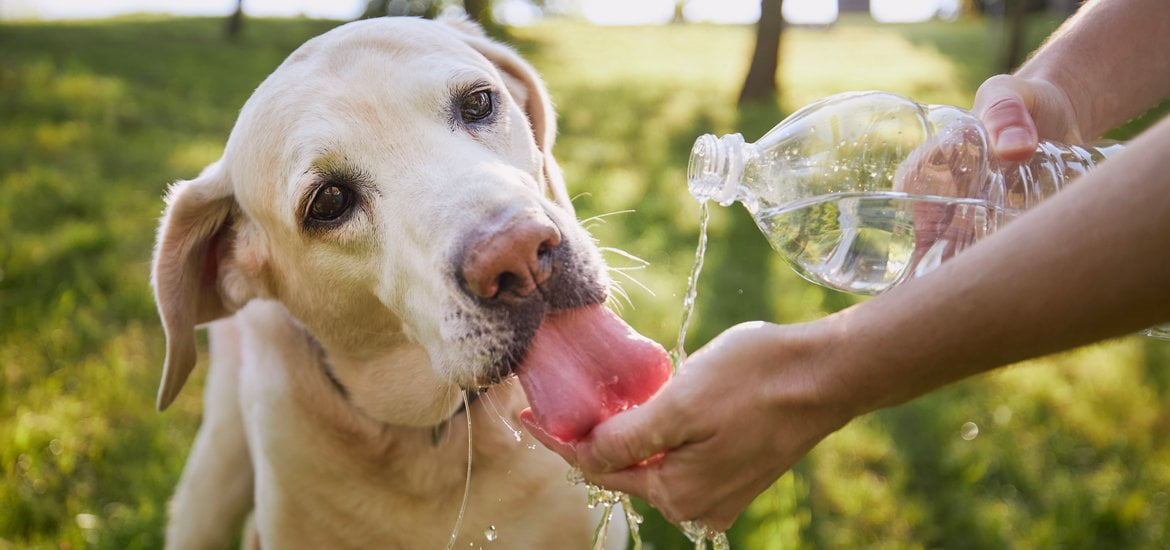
601 217
620 298
631 278
623 254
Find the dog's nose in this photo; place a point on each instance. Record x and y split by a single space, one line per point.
514 259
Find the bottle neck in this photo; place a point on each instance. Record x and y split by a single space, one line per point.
716 168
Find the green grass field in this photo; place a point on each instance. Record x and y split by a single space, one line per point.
97 117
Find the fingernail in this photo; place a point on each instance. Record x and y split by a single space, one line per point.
1013 138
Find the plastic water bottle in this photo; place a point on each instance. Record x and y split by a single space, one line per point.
862 191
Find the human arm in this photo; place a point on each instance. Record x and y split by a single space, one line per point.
1104 66
1090 263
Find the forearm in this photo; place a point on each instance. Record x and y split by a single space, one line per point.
1091 263
1110 60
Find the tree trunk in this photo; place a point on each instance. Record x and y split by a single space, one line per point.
760 83
853 6
1014 15
235 22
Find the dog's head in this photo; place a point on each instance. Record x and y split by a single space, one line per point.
392 184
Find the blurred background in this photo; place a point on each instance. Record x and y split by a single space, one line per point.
102 103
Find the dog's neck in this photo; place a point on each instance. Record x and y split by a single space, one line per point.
326 367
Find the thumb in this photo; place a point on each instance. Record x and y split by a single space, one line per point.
635 436
1002 104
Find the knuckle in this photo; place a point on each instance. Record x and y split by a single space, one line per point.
996 86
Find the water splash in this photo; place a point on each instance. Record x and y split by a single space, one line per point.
699 534
607 499
694 531
467 482
679 353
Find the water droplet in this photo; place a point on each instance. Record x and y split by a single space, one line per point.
86 521
1002 415
532 447
575 476
517 435
490 533
969 431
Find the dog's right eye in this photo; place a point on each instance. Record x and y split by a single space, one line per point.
476 106
330 203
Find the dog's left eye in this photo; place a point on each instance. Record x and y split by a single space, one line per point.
330 202
476 106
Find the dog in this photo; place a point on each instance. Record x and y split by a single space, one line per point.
381 237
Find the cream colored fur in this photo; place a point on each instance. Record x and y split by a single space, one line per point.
320 467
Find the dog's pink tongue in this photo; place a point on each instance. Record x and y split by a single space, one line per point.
585 365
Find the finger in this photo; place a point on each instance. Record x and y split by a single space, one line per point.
715 522
1002 104
634 436
672 494
567 451
631 481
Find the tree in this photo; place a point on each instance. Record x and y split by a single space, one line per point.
479 10
760 84
1015 13
853 6
678 16
235 22
423 8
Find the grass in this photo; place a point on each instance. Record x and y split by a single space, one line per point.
97 117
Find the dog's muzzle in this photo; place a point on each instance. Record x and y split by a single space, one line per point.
511 262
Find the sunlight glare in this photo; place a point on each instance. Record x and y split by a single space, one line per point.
624 12
904 11
810 12
722 11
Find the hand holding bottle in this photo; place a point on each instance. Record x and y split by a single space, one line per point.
748 405
738 414
1019 112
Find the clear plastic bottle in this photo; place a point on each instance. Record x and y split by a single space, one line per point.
862 191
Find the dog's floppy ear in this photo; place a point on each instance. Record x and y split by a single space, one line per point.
527 89
193 240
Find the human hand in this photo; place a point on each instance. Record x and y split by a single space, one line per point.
738 414
1018 112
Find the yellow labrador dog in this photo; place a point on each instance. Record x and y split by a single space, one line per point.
384 234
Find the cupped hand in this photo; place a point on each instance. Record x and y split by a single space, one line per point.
1018 112
738 414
